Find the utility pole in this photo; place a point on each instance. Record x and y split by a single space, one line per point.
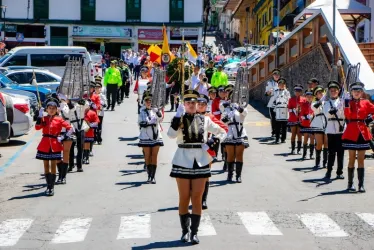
247 42
277 40
206 20
333 32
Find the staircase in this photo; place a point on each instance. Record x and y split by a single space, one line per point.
368 51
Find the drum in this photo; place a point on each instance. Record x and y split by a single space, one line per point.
281 113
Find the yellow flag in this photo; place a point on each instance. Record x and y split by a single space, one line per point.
167 56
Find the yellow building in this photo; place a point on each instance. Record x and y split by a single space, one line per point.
264 13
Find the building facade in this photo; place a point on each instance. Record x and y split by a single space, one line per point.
101 24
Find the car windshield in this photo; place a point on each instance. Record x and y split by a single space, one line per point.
5 80
7 55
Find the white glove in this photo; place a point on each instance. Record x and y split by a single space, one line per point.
294 111
93 124
309 116
231 114
41 112
93 105
155 110
180 111
62 96
205 147
60 138
153 120
347 96
235 106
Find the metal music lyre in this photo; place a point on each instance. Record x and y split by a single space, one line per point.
240 93
158 89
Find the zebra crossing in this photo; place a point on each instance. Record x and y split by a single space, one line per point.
139 226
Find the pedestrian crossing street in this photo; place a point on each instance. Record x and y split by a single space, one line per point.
139 226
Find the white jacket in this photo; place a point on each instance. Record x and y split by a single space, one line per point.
235 124
103 102
185 157
319 120
281 98
149 132
271 86
333 125
75 115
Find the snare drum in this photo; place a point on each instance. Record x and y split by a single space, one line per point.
281 113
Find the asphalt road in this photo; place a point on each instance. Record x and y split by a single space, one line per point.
281 204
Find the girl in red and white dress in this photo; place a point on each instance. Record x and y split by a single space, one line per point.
293 120
50 147
306 116
92 119
356 136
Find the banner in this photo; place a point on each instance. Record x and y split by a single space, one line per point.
150 34
102 31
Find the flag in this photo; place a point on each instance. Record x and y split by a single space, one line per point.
155 53
191 54
167 56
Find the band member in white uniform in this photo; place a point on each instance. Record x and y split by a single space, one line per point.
150 138
271 88
191 161
333 108
281 97
236 140
100 113
318 126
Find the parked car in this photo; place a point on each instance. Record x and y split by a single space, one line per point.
5 82
52 58
18 116
231 70
44 78
4 123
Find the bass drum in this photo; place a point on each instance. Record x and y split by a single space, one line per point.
281 113
9 109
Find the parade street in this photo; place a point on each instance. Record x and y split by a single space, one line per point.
281 204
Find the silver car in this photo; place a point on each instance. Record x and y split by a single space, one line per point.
44 78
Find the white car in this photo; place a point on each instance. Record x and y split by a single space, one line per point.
44 78
231 70
4 123
18 115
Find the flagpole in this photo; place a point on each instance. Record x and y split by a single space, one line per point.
182 70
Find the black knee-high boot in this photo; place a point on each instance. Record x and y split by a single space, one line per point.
318 158
361 177
238 170
64 169
149 172
91 146
351 174
52 180
311 148
205 195
86 156
185 224
47 180
325 157
60 174
230 170
305 150
153 178
293 144
195 223
298 147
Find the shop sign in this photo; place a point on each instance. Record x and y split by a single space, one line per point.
150 34
102 31
9 27
177 32
288 8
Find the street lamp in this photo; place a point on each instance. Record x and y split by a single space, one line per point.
3 8
333 31
247 42
206 15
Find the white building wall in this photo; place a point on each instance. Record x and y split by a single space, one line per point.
155 11
18 9
193 11
113 10
64 10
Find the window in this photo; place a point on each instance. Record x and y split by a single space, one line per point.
18 77
40 78
18 60
88 10
133 10
270 10
51 60
176 11
41 9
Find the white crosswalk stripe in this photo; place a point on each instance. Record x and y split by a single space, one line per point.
206 226
321 225
72 230
368 218
258 223
135 227
12 230
139 226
